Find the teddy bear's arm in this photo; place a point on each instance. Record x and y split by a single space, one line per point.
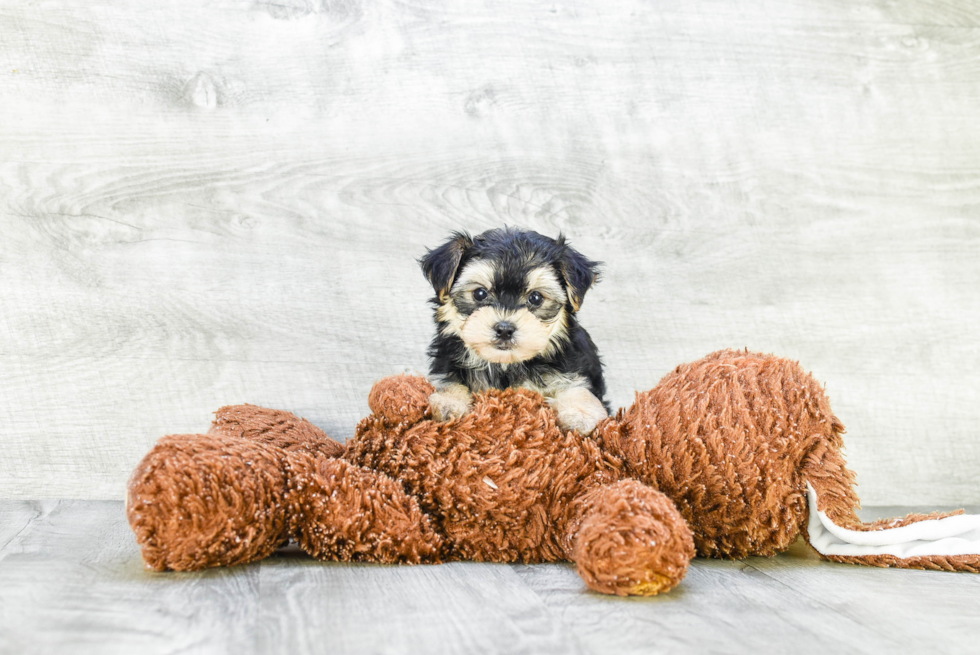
401 398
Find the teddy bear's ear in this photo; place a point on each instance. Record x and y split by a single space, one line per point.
578 271
440 265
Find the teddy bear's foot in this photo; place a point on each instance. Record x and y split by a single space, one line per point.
629 539
197 501
345 512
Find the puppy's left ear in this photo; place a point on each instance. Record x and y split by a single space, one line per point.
579 273
440 265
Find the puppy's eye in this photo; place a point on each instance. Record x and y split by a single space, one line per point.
535 299
480 294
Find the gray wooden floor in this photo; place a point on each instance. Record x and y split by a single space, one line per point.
71 580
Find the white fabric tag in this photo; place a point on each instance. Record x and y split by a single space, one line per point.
953 535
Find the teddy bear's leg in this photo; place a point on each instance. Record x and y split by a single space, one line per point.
341 511
197 501
628 539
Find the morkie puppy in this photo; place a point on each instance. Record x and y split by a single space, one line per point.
505 317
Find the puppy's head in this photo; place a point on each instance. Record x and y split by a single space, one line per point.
507 293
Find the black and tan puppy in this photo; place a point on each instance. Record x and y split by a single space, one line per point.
505 316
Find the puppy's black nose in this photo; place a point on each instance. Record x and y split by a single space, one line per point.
504 330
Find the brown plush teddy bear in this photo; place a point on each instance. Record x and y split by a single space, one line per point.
734 455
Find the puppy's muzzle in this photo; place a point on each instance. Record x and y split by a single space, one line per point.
504 332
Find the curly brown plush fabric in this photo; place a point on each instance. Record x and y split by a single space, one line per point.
964 563
726 437
502 483
274 427
350 513
732 439
628 539
208 500
951 563
501 479
715 460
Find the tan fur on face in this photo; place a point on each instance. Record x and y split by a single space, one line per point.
453 322
544 281
557 333
452 319
530 338
478 273
533 336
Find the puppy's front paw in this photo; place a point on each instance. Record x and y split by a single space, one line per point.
578 409
452 402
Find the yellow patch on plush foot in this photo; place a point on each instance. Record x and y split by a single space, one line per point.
651 587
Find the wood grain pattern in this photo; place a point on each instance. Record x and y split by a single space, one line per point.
881 602
74 583
461 607
720 607
203 204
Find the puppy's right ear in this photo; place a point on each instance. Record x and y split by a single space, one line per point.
440 265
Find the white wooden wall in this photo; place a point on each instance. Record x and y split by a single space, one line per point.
204 203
